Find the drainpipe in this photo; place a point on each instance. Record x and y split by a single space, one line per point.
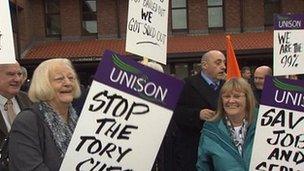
118 19
242 15
17 31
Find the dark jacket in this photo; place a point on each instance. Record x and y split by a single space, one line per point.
31 146
258 95
196 95
23 102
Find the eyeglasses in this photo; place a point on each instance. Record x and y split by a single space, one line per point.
232 96
62 78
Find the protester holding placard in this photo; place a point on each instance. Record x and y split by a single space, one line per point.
40 135
226 141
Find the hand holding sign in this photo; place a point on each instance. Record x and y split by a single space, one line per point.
128 108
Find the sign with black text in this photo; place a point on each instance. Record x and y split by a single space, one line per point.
288 44
7 48
147 29
279 137
124 118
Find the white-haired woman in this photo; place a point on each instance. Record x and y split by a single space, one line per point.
40 135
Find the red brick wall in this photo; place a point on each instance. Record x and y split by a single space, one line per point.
107 18
253 15
32 25
70 19
197 16
232 15
123 15
25 27
37 19
294 6
169 18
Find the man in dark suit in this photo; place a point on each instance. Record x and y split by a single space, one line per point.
197 103
11 80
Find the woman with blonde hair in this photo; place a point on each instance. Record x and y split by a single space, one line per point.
226 141
40 135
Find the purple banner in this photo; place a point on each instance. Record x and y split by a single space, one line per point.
289 22
283 93
129 76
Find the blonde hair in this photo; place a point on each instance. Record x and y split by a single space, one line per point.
40 88
240 85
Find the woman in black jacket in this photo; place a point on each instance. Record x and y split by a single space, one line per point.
40 136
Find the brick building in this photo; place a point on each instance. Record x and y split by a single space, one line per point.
82 29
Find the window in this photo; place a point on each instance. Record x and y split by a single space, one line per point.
179 14
181 70
271 7
215 13
52 17
89 17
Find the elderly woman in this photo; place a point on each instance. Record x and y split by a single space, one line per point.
40 136
226 141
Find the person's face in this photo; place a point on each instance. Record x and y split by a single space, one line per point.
259 79
246 74
11 80
234 103
215 66
62 80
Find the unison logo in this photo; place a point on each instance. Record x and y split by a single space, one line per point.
288 94
132 78
287 22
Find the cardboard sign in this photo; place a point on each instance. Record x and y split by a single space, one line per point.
147 29
288 44
279 137
124 119
7 48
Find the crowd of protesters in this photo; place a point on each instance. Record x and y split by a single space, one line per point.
39 121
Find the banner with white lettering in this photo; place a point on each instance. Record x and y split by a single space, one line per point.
279 137
7 48
147 29
124 118
288 44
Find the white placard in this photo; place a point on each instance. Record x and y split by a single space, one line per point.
279 140
147 29
124 118
288 45
7 48
288 52
121 143
279 135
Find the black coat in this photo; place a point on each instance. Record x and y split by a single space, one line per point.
196 95
31 144
23 102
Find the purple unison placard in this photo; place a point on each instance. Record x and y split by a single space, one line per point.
289 22
283 93
141 81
